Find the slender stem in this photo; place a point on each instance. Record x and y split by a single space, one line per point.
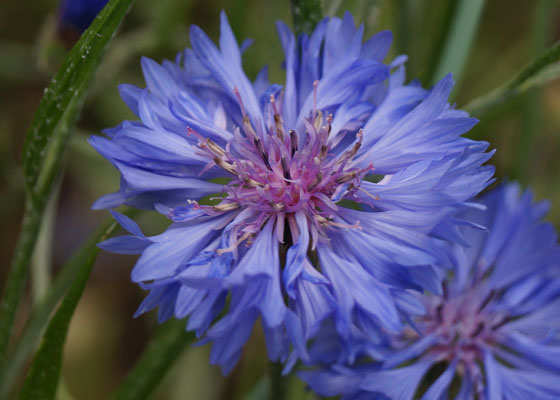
42 311
278 389
163 349
542 70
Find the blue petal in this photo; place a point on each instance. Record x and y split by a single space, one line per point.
494 388
353 286
128 244
175 247
439 387
397 384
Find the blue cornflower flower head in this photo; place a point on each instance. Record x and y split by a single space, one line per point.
77 15
492 334
283 163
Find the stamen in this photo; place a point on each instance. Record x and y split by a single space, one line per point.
215 148
347 177
278 123
374 197
248 128
329 124
293 141
316 181
226 206
225 165
286 168
234 247
315 85
240 101
325 222
262 152
323 153
318 121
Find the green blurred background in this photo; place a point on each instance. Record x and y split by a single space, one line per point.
104 340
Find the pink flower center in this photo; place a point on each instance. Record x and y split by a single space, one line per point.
279 173
465 325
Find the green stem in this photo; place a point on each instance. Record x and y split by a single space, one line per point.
41 263
45 144
278 389
18 272
306 15
42 311
542 70
165 347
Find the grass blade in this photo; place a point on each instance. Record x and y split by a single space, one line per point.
459 41
69 86
165 348
542 70
532 107
44 374
40 316
45 144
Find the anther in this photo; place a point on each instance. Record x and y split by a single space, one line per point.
293 141
286 168
346 177
329 123
278 123
215 148
226 206
323 153
225 165
262 152
248 128
316 181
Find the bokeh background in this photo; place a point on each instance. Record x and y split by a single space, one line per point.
104 339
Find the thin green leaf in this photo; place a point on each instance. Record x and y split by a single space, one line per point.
164 349
41 313
278 382
42 381
306 15
69 86
45 144
443 27
459 40
532 107
539 72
